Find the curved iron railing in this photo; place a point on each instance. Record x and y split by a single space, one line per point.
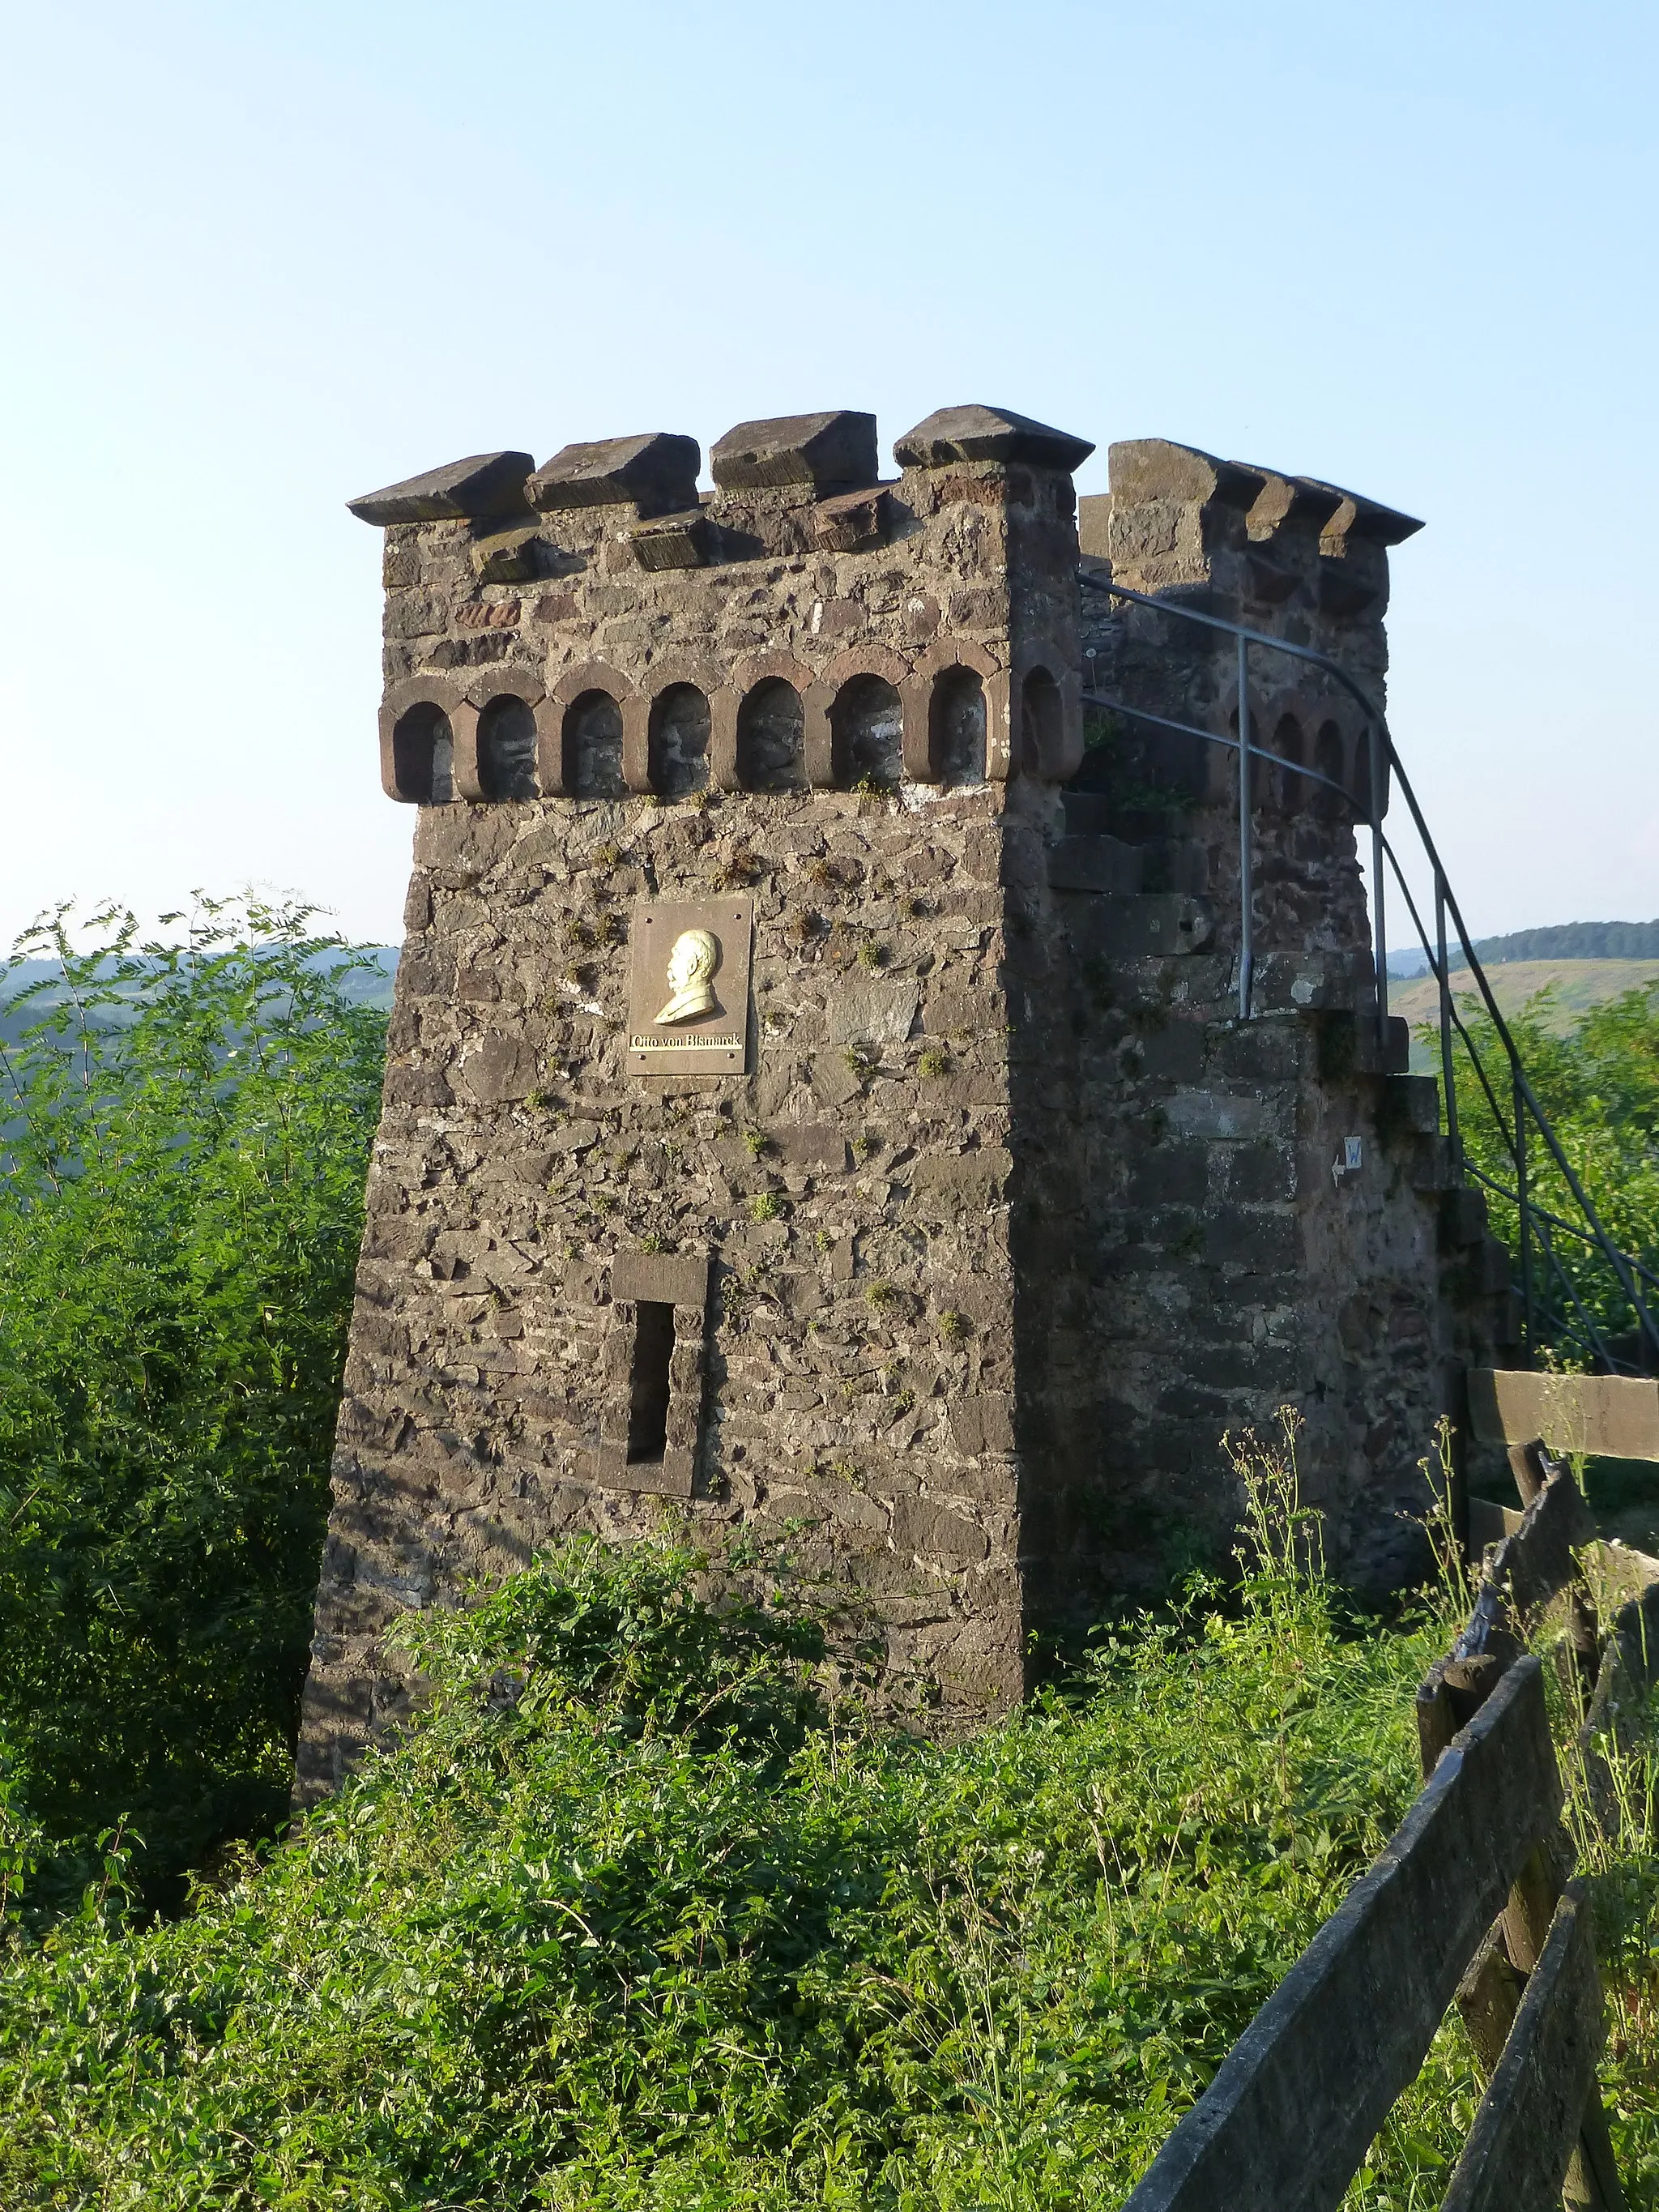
1553 1310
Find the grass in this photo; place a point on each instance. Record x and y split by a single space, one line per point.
636 1918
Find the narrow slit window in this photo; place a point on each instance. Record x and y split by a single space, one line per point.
647 1399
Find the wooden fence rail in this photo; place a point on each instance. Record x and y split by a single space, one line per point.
1470 1901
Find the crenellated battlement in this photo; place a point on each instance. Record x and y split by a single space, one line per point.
594 628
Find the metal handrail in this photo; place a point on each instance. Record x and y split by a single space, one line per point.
1535 1222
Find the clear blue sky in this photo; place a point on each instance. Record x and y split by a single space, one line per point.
259 259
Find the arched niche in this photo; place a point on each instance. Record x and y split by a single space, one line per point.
1331 760
678 741
957 727
592 746
771 738
1042 723
867 733
1287 742
423 755
506 748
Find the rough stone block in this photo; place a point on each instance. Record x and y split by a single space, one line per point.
1136 925
1094 864
507 557
480 487
983 1423
655 473
1264 1242
499 1067
1261 1174
1154 470
675 541
1173 1175
660 1277
856 522
833 453
1222 1116
873 1013
809 1144
927 1531
1412 1102
951 435
962 1182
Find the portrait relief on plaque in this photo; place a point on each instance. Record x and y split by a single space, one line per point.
689 986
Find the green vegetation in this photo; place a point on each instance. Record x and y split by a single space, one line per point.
639 1917
183 1137
634 1918
1599 1084
1574 986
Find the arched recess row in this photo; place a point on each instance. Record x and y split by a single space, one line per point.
1302 731
867 721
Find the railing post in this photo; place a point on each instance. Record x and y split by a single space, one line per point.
1379 933
1246 889
1447 1071
1522 1208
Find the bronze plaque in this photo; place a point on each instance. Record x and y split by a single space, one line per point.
688 997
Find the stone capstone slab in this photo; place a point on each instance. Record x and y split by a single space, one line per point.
1155 471
482 486
834 452
655 473
661 1278
953 435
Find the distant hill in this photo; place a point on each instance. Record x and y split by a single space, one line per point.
1578 985
1565 940
367 988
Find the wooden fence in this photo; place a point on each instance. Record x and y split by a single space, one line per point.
1472 1899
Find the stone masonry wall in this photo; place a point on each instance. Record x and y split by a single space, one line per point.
1008 1216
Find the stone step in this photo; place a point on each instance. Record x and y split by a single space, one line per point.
1097 814
1094 863
1127 927
1388 1054
1463 1217
1411 1102
1313 983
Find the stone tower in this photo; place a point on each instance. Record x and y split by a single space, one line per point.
816 1092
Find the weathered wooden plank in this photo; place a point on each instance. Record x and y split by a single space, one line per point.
1489 1523
1528 2127
1537 1561
1286 2121
1613 1415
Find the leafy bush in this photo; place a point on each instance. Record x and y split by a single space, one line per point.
184 1135
630 1919
1599 1084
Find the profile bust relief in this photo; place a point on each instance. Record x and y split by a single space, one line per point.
691 966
